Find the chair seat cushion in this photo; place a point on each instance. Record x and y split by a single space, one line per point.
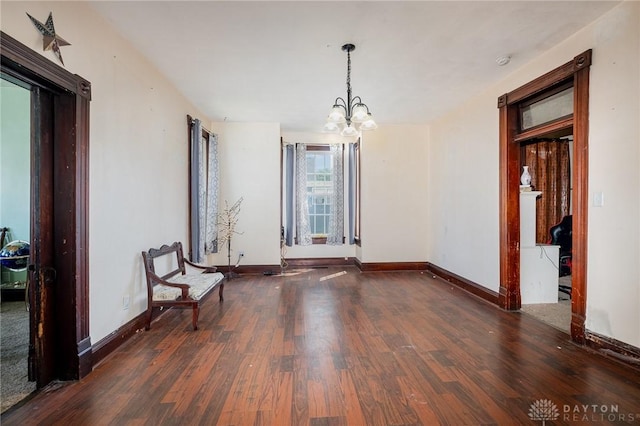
199 285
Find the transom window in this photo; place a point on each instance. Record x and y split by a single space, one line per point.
551 106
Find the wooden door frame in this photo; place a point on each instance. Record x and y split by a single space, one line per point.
509 176
71 100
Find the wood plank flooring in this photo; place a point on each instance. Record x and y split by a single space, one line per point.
386 348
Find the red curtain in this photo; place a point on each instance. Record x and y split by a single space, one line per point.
548 162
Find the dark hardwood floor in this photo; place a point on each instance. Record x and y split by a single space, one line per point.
384 348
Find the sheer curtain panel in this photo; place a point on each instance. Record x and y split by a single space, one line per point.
204 192
335 234
302 204
288 170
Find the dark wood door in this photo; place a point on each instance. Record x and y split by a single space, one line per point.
42 273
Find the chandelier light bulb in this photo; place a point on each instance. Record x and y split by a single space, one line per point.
331 127
337 114
369 123
349 131
359 113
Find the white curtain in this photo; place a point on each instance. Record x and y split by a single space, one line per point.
302 204
211 215
352 192
335 234
194 162
204 197
288 175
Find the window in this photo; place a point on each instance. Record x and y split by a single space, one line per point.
549 107
319 189
314 195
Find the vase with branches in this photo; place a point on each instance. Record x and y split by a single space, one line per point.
226 221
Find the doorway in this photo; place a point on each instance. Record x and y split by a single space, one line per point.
549 160
59 342
575 71
15 137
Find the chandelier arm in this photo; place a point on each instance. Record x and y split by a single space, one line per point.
356 101
343 104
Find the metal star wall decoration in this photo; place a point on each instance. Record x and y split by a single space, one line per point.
50 40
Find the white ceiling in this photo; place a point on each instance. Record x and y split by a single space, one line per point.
268 61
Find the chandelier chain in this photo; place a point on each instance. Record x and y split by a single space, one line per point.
348 70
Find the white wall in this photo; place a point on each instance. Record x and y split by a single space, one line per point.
249 161
613 283
138 153
463 192
463 179
394 170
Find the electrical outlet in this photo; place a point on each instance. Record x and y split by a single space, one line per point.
125 303
241 254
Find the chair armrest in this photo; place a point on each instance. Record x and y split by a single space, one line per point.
203 268
152 277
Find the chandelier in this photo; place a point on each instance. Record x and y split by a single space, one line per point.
351 116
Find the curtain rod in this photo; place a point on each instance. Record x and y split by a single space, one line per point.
191 121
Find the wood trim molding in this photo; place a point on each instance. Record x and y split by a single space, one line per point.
320 262
580 201
550 79
325 262
565 123
509 195
576 70
391 266
465 284
250 269
613 348
40 69
582 60
70 138
291 263
110 343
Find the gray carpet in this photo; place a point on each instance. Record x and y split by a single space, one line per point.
555 314
14 349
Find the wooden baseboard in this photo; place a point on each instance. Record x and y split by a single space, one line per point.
390 266
613 348
320 262
468 285
85 357
290 263
110 343
250 269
